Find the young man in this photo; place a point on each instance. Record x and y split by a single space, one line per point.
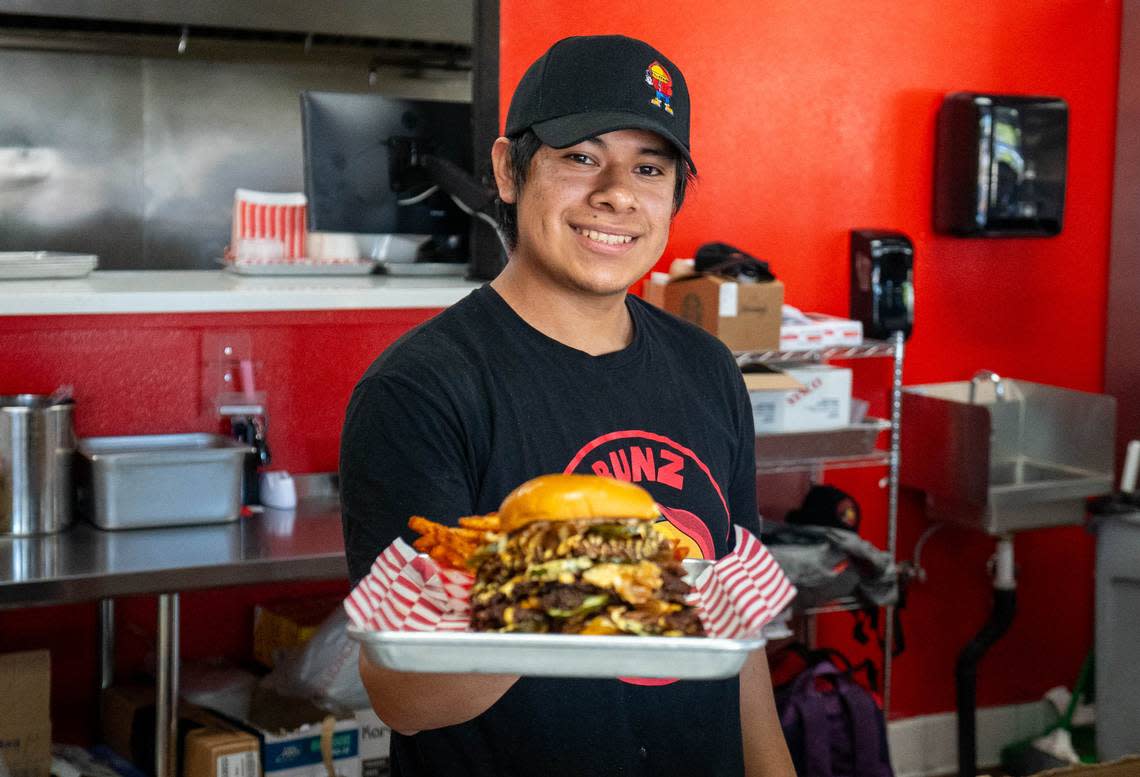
552 367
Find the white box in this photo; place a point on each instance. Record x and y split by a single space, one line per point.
375 744
822 401
295 735
801 337
297 753
838 331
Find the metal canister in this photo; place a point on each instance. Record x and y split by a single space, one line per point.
37 447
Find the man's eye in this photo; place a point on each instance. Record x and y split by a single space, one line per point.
581 159
649 170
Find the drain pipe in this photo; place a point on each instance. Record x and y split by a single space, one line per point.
966 670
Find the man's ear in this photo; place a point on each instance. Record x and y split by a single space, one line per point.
504 179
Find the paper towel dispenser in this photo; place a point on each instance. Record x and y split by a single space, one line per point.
1000 167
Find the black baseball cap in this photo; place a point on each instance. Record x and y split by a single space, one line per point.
588 85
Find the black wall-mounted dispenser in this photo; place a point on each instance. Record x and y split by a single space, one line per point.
1000 167
882 282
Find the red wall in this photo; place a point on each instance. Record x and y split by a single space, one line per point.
811 119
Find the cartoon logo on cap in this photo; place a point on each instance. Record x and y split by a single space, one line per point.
658 77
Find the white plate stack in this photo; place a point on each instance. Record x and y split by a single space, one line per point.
17 265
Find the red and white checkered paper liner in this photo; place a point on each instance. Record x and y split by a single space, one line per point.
408 591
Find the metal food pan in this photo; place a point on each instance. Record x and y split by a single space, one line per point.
562 655
160 480
854 440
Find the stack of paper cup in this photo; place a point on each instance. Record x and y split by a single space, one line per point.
268 226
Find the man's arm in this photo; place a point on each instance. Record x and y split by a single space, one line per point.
765 749
402 454
410 702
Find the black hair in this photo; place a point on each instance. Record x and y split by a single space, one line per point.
519 155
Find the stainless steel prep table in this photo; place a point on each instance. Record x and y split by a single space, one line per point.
84 564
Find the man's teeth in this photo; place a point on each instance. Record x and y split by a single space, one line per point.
603 237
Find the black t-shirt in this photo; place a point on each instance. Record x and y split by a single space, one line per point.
474 402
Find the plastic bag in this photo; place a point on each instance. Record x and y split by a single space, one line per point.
324 670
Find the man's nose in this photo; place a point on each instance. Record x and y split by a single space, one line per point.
614 191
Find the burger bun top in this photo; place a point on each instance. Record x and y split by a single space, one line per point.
574 498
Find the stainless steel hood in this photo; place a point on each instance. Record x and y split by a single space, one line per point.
437 21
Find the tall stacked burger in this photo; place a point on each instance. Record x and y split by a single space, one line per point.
578 554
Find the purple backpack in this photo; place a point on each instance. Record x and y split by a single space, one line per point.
837 732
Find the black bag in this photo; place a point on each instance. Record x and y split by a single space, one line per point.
723 259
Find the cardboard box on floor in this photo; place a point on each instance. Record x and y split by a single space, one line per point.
375 744
221 751
211 745
298 738
744 316
25 714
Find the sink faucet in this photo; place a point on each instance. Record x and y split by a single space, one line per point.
992 377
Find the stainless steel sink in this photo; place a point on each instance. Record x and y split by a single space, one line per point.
1006 455
1021 471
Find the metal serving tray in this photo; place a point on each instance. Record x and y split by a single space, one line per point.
559 655
556 655
160 480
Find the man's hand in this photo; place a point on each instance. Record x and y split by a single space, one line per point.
411 702
765 750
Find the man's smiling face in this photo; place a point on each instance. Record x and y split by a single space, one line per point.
595 217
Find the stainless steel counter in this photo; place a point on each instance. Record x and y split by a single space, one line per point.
84 563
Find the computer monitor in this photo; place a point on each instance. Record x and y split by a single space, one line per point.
364 170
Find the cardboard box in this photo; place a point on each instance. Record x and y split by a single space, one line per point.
653 290
821 400
838 331
128 720
744 316
375 744
295 736
761 377
801 336
801 331
221 751
288 623
25 713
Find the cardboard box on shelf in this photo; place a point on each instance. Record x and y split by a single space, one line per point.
25 715
801 336
821 400
837 330
375 744
761 377
801 331
744 316
288 623
653 290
